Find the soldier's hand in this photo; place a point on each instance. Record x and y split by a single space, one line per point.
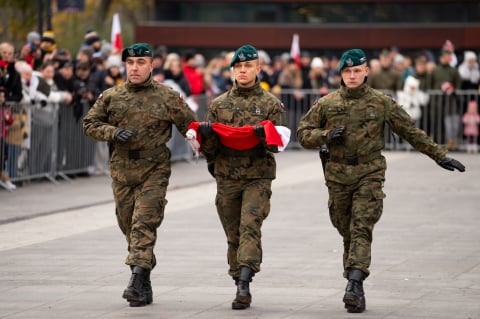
259 131
122 135
451 164
335 136
205 128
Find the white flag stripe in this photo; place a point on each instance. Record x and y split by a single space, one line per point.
116 37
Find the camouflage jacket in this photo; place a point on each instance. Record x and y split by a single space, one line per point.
240 107
149 110
364 112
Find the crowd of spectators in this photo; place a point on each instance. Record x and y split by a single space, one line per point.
41 71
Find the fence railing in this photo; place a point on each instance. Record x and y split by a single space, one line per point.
48 141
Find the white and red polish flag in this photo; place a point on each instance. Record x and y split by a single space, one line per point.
295 49
116 37
241 138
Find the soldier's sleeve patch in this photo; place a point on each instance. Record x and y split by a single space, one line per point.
392 98
100 96
282 105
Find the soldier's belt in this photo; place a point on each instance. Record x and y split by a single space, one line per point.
355 160
258 150
138 154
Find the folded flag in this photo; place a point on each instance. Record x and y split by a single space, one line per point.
244 138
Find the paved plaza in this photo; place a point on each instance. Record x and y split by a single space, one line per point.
62 254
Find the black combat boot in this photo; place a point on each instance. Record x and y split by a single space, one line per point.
243 297
134 291
147 293
354 297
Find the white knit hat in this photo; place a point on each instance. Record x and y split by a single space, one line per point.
470 55
114 60
316 63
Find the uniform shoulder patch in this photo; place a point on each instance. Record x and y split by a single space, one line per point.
100 96
391 98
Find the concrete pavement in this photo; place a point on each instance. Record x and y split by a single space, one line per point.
61 253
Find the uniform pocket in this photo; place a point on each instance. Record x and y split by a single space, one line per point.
225 112
336 116
376 205
116 114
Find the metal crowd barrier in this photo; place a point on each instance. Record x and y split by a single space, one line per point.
48 141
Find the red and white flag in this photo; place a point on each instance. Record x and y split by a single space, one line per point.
241 138
295 49
116 37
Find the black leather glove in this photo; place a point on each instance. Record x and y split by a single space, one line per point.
451 164
205 128
259 131
122 135
211 169
335 135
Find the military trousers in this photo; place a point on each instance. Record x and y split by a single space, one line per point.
242 206
140 211
354 210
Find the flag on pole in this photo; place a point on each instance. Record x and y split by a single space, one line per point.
295 49
116 37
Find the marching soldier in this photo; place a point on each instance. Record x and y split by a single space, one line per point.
136 117
243 177
351 122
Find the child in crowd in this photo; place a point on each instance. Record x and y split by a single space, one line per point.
6 120
471 120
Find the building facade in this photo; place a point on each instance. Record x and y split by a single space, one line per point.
322 25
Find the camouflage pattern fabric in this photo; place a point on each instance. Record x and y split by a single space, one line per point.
242 206
355 208
139 184
355 191
240 107
243 182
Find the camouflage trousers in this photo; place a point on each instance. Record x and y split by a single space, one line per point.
140 210
354 210
242 206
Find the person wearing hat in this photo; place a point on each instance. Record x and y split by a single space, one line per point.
136 119
31 51
350 121
47 42
243 177
92 39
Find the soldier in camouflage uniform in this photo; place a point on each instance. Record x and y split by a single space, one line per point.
243 178
136 118
351 121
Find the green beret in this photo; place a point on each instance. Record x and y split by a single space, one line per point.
244 53
137 50
351 58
